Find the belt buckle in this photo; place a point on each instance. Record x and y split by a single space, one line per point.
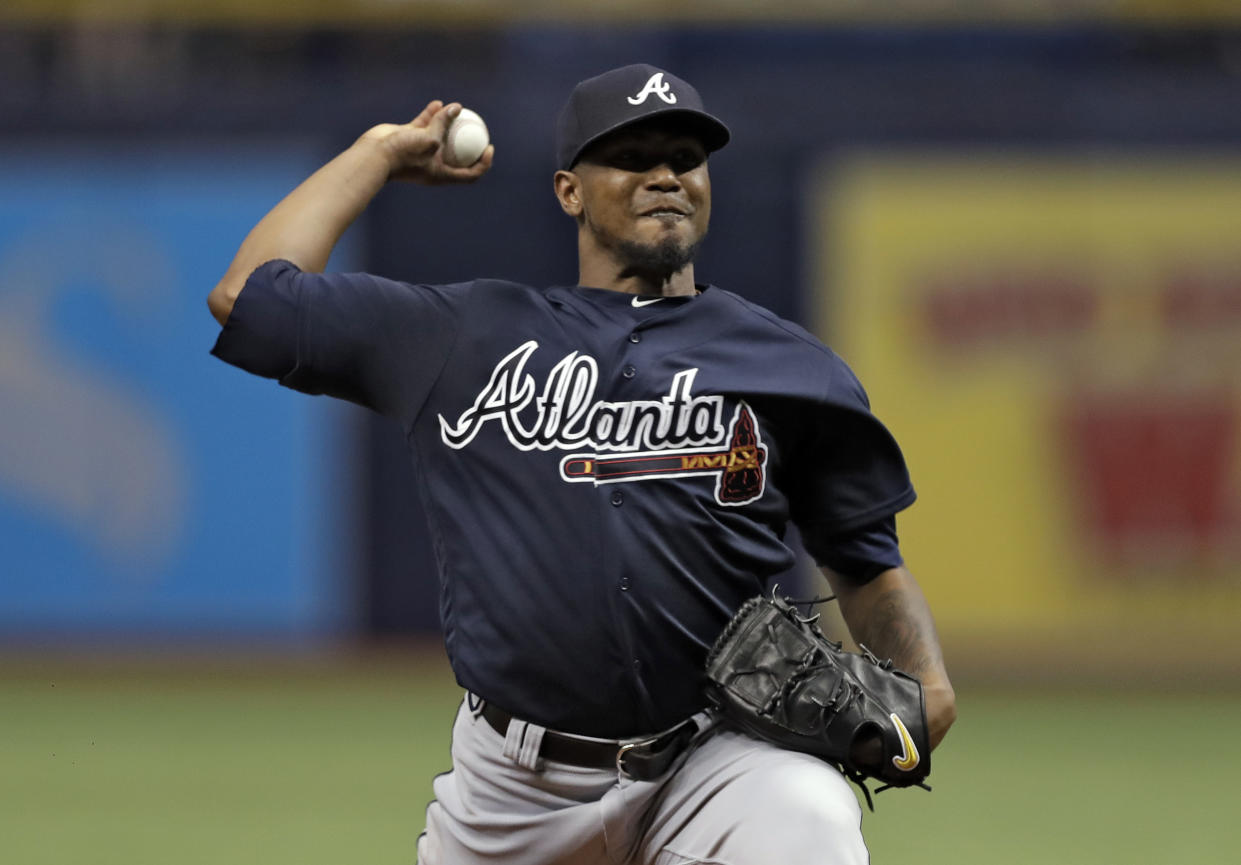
625 749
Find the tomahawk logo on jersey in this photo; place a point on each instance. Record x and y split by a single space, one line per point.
679 434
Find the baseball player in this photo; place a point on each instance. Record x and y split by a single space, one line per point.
608 470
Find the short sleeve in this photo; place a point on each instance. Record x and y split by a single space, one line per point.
360 337
860 554
849 471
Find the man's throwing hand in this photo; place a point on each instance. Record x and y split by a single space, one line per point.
415 150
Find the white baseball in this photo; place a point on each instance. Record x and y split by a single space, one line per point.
467 139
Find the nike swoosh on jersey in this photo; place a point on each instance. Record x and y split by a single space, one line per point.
909 758
637 301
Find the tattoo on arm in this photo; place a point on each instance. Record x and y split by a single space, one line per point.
900 627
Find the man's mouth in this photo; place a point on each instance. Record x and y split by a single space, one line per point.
670 213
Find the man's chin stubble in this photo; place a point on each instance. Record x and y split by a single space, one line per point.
657 261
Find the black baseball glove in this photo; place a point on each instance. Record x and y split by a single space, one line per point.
774 674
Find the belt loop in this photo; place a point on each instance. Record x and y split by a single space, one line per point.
529 754
522 743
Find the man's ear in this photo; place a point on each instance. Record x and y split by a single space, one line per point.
568 188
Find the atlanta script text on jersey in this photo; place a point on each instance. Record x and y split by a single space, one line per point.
680 434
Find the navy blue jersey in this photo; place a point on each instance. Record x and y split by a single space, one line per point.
607 477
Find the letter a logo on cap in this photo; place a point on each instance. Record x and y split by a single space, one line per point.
655 84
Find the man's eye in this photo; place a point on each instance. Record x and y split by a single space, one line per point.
686 160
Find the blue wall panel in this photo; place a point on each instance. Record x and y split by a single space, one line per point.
145 486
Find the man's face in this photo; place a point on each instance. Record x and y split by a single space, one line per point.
646 196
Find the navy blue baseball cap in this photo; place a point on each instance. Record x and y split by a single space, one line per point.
601 105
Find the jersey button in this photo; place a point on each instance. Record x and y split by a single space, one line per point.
635 337
624 584
629 371
637 665
618 498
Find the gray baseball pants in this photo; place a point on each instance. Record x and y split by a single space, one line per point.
729 800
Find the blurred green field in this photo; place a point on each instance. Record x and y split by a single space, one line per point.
331 763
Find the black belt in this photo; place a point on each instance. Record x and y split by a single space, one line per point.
642 760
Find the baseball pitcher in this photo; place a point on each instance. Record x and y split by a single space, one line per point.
609 469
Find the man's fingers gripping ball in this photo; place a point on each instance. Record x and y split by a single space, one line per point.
424 117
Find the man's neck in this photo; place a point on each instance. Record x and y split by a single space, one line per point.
615 279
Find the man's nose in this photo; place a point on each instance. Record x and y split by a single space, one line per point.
663 178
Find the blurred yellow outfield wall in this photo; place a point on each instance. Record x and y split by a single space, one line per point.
1056 342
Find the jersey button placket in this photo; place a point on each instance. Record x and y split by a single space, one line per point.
617 498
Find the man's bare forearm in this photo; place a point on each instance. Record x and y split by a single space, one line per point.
305 227
891 617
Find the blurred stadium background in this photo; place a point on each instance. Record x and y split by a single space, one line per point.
1020 222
